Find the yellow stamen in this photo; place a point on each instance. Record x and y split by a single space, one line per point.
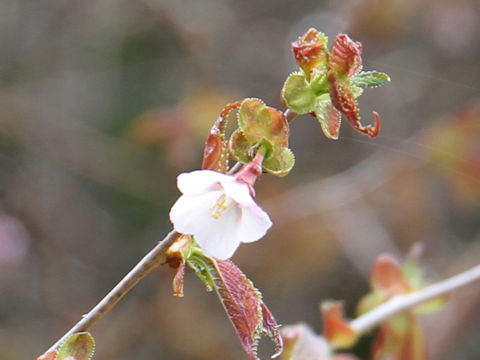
220 206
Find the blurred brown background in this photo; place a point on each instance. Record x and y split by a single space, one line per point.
103 103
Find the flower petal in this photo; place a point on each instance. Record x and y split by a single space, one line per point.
190 213
253 225
220 240
239 192
219 211
193 215
200 181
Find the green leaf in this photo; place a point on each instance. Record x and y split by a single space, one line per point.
258 121
400 338
240 147
414 275
431 306
370 79
319 83
240 299
267 148
250 117
280 163
80 346
369 301
356 91
328 117
297 94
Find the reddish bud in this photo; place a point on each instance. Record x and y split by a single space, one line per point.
336 328
310 50
345 57
387 276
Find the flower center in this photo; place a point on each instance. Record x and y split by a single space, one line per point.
220 207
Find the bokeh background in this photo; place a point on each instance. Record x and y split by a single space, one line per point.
103 103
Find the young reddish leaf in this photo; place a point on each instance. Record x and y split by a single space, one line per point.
79 346
336 329
344 101
301 343
310 50
345 63
52 355
270 327
328 117
279 130
241 301
215 154
346 56
387 276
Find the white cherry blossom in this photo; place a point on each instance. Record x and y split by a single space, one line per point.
219 211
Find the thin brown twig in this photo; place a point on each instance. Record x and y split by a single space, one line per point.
150 261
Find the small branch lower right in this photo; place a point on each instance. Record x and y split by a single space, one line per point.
400 303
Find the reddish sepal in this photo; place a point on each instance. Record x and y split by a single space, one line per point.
215 154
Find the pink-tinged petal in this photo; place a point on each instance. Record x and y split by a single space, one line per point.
239 192
199 181
253 225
